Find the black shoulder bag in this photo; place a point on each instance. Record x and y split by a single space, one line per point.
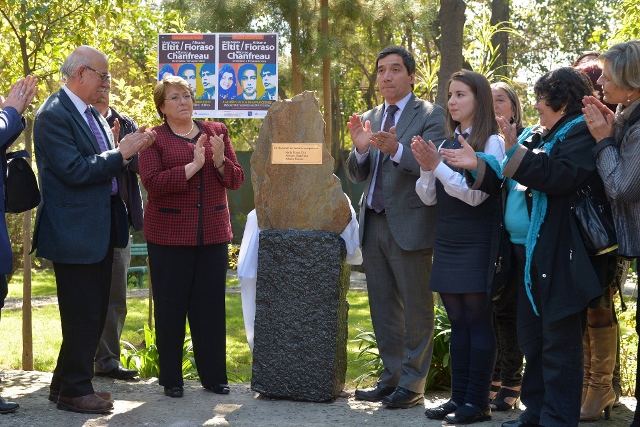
20 185
595 222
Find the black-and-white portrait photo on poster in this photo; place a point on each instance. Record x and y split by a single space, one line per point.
232 75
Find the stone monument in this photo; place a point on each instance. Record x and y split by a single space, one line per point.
300 334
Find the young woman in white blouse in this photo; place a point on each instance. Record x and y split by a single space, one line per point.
462 246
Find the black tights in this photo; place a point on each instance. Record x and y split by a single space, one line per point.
472 347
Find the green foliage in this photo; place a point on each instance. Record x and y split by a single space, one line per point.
628 22
439 376
480 51
628 345
234 253
368 358
147 361
555 32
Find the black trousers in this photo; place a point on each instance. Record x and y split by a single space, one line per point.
508 369
552 381
189 281
83 300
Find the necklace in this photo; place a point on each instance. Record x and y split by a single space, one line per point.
185 134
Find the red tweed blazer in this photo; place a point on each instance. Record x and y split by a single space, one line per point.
187 213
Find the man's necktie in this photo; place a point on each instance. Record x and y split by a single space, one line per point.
377 198
93 125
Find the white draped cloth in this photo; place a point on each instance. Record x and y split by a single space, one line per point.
248 264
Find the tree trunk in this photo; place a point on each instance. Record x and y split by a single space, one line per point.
326 76
451 19
27 325
500 13
296 77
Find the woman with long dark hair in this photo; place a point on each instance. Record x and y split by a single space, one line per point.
462 246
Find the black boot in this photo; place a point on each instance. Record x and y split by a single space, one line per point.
7 407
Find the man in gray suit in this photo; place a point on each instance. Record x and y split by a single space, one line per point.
396 228
81 218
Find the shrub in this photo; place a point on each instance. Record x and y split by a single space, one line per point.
439 376
147 361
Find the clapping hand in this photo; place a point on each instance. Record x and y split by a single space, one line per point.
509 132
217 145
21 94
426 154
464 157
360 133
600 120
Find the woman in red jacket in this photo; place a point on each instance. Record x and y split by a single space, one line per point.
186 223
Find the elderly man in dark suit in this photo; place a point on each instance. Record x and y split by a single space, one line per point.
81 218
396 228
107 362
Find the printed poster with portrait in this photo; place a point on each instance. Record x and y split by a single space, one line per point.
231 74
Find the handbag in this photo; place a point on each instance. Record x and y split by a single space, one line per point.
20 185
595 222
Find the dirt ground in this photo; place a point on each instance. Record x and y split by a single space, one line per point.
142 403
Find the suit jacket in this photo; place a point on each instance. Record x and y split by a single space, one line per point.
73 222
11 126
128 180
183 212
411 222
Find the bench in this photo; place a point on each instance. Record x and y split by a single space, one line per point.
138 249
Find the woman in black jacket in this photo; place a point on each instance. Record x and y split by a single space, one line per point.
538 183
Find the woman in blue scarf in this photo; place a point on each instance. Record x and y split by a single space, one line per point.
538 183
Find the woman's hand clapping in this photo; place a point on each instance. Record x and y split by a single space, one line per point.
426 154
464 157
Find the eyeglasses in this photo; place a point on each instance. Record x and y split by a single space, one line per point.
541 97
103 76
176 98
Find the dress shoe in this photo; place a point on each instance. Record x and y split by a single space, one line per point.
375 393
403 398
468 414
7 407
441 411
218 388
53 395
88 404
518 423
177 391
119 373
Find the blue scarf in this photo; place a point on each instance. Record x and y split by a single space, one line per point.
539 206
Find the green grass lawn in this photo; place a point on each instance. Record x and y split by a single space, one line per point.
47 335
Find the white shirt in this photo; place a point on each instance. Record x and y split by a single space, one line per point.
360 158
455 183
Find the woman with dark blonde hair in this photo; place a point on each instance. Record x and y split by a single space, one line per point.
462 246
617 156
507 374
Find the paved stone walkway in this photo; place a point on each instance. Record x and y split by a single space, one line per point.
142 403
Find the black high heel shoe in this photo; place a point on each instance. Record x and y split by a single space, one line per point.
499 403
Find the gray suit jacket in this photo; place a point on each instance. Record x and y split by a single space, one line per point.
411 222
73 222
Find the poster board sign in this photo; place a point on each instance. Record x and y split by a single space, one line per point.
231 74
